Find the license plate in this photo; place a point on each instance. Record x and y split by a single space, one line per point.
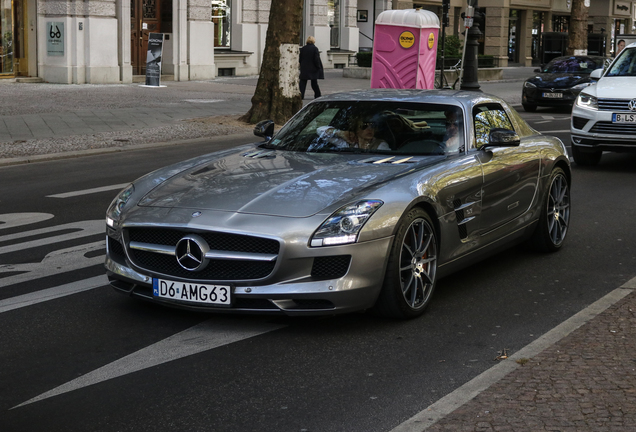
553 95
192 292
623 118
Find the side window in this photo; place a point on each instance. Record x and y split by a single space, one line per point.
486 118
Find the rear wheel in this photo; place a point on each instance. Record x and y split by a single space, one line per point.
554 221
412 268
586 158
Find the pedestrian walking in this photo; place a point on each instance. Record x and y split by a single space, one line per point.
310 67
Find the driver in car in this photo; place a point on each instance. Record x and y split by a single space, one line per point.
362 135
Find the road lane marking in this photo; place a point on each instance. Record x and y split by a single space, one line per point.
205 336
11 220
462 395
56 262
203 100
89 191
52 293
83 229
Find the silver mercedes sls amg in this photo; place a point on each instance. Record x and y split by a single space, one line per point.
363 200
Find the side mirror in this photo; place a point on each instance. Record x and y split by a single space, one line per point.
596 73
499 137
264 129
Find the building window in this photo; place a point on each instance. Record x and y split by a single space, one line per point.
333 15
560 23
221 17
226 72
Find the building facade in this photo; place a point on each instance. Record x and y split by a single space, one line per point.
105 41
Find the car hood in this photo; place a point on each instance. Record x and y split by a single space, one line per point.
279 183
558 80
616 88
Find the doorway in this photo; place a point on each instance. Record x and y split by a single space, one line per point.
13 42
145 18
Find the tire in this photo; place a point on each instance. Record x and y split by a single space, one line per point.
411 272
586 158
554 220
529 108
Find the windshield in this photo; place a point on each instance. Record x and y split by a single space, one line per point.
625 64
577 65
374 126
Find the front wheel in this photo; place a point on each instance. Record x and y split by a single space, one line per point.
554 220
411 272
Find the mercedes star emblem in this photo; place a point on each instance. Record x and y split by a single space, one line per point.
190 252
632 105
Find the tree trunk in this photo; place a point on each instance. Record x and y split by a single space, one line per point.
277 96
577 40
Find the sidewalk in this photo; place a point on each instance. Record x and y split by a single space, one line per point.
579 377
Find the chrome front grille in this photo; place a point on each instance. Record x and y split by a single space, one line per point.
613 104
236 255
614 128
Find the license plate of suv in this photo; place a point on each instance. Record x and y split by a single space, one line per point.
553 95
623 118
192 292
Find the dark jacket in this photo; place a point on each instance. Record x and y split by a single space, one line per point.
310 63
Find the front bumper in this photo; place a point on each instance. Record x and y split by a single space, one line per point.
538 96
302 294
594 130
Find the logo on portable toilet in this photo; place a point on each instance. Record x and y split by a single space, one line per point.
407 39
431 40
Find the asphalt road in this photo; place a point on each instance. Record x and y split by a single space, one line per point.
76 356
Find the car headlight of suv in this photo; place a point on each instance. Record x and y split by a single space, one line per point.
528 84
114 210
586 101
343 226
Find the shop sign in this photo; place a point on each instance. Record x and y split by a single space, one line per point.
55 38
622 8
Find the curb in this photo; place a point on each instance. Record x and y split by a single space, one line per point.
92 152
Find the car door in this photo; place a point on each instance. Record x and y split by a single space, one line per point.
510 173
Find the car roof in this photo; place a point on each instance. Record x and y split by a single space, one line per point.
467 99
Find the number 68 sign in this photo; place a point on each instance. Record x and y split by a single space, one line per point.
55 38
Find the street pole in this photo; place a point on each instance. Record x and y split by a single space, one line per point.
445 10
469 78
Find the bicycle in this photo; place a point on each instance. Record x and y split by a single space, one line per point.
456 68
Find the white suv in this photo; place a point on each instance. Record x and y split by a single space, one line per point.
604 114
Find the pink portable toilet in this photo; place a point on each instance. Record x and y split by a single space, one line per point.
405 49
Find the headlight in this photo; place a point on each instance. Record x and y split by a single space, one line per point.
586 101
343 226
114 210
528 84
579 87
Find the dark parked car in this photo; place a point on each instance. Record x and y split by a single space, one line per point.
362 200
558 83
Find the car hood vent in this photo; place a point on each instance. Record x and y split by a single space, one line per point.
260 154
394 160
